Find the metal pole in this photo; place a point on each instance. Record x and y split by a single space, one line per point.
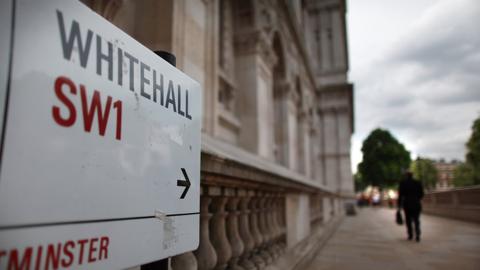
157 265
170 58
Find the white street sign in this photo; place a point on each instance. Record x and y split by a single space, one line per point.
100 157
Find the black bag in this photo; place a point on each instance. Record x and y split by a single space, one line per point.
399 217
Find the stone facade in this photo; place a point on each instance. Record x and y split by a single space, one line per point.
445 173
278 117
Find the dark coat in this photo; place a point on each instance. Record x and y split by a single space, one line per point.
410 193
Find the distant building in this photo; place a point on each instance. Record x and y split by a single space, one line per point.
445 173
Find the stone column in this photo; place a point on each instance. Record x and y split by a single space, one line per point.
206 256
185 261
218 231
232 231
298 218
244 227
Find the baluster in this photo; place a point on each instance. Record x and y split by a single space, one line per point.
272 246
257 236
205 254
232 230
274 226
184 261
245 234
218 230
281 222
262 214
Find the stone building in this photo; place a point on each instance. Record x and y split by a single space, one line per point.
445 173
278 117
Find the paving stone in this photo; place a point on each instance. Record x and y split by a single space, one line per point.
372 240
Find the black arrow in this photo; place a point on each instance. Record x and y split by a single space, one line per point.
184 183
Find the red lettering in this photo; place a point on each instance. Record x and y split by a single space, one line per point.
57 255
80 254
90 110
92 249
38 261
53 256
67 251
25 262
103 254
96 105
70 120
118 105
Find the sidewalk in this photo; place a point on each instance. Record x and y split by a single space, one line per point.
371 240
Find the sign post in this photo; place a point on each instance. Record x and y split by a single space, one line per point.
100 162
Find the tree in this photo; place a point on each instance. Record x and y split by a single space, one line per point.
468 174
360 184
424 170
384 159
463 175
473 152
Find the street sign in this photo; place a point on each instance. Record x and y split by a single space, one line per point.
100 150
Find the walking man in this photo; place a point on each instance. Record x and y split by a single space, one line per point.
410 194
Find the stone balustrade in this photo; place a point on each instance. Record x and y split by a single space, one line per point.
459 203
243 218
239 229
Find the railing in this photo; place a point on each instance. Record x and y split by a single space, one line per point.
243 216
240 228
459 203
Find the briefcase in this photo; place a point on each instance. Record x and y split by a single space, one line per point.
399 217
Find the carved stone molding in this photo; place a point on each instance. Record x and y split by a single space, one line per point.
284 89
255 42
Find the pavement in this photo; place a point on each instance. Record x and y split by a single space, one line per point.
372 240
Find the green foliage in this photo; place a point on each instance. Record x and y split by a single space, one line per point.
469 173
463 175
473 154
384 159
424 170
359 182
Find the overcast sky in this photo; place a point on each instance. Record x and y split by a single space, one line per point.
415 65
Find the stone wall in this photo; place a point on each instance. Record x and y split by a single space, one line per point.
459 203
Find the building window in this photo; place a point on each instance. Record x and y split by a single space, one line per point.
226 76
226 96
226 49
228 128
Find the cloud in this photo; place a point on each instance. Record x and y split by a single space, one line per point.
425 85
